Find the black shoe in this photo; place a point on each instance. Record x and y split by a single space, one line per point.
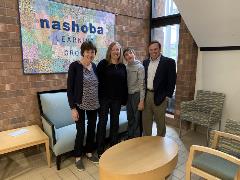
99 153
93 159
79 165
99 156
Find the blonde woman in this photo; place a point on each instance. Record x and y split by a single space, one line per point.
113 93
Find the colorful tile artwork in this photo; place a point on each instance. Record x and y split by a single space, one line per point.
53 32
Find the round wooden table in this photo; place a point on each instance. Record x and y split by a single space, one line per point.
143 158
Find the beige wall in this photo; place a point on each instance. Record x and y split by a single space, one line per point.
220 71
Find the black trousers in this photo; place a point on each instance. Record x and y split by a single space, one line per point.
114 106
80 126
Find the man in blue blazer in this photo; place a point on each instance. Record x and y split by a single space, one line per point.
160 73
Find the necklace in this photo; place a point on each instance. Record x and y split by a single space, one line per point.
86 66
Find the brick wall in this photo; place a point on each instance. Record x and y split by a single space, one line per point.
18 100
186 67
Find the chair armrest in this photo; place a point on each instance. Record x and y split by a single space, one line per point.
218 134
215 114
195 148
49 129
188 105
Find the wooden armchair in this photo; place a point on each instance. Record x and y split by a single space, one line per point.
213 164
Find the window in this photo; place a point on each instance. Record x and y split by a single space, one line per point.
165 29
168 37
163 8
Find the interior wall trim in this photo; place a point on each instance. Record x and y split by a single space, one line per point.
222 48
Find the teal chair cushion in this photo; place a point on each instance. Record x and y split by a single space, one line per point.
55 107
215 166
65 139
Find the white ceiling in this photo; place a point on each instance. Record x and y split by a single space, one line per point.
212 23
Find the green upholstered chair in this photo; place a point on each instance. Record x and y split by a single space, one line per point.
222 159
205 110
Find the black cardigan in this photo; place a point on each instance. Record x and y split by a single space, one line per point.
75 83
112 81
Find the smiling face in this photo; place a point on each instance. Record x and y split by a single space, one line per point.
89 55
115 52
154 51
129 56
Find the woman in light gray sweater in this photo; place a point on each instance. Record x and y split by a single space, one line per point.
136 92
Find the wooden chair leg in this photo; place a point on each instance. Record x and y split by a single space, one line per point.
188 172
48 153
58 161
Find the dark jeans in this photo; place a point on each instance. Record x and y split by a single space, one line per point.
115 107
80 126
133 115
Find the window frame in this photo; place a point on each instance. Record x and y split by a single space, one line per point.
163 20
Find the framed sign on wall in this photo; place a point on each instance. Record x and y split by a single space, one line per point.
52 33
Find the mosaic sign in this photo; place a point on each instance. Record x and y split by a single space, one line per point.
52 34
